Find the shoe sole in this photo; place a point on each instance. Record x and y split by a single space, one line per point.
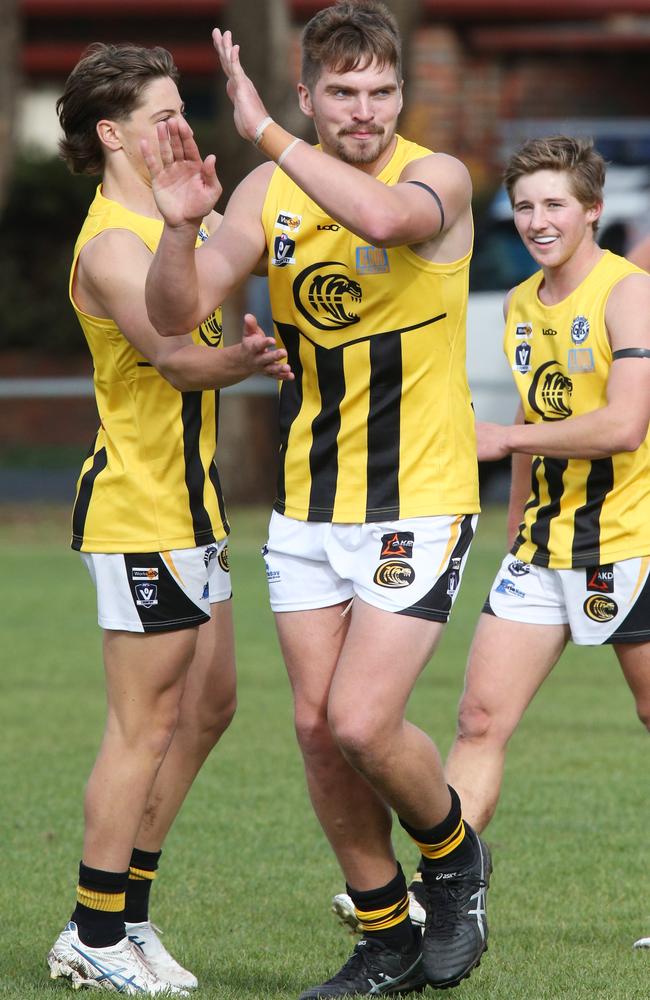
451 983
59 969
347 919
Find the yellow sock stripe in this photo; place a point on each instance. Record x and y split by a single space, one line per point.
435 851
110 902
140 874
381 920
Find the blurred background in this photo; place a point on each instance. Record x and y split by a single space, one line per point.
480 75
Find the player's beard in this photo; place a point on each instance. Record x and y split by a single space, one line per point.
365 152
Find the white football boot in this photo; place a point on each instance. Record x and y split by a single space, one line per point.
343 907
119 968
145 937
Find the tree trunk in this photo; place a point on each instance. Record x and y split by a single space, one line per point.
9 50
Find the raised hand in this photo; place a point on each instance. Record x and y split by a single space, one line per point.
259 353
249 110
185 187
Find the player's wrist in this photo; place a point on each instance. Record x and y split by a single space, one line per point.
275 142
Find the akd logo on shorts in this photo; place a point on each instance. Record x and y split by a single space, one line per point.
397 544
394 575
600 609
601 579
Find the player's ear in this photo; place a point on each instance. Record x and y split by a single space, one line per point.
594 213
304 101
107 132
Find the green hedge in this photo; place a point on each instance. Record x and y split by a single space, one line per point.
43 214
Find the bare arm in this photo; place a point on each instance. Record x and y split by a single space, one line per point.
109 282
383 215
622 424
185 284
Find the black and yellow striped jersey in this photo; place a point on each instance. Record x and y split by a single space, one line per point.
378 423
581 512
149 482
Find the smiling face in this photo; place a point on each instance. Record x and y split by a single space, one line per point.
355 113
552 223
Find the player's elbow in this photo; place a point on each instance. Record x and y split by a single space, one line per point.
174 373
387 227
631 435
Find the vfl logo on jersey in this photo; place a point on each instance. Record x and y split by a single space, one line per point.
550 392
600 609
223 559
579 329
581 360
146 594
326 295
453 577
524 330
288 222
144 572
211 330
283 248
601 579
508 587
372 260
399 544
394 575
518 568
523 352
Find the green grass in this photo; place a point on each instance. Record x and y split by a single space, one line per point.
247 877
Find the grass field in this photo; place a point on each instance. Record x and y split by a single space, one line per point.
246 877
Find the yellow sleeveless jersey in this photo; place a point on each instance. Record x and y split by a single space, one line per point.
581 512
149 482
378 423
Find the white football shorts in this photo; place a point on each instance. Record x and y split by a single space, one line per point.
159 591
411 566
601 604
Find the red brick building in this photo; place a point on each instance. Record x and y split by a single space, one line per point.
476 64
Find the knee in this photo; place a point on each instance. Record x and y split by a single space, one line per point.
312 732
205 722
362 740
643 711
477 723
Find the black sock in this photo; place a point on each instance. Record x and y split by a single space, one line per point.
384 912
99 913
445 845
142 872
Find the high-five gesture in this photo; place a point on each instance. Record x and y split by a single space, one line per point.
249 109
185 186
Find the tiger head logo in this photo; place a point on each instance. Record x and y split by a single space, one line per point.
326 296
550 392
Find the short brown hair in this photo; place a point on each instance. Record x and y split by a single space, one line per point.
349 35
584 165
107 82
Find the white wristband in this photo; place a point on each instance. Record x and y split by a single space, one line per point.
259 131
285 152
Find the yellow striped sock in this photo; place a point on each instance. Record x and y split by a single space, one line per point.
108 902
436 851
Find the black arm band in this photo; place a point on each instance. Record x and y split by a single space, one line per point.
438 202
631 352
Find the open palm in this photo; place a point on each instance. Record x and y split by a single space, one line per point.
185 187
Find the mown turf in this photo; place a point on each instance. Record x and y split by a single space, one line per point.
247 878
